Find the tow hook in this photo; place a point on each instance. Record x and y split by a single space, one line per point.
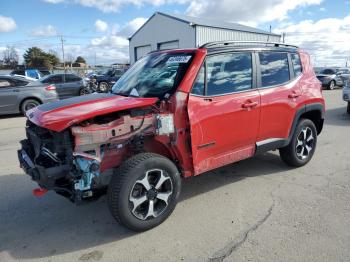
39 192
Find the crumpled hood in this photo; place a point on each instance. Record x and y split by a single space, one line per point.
60 115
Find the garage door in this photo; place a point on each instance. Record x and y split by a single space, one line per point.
168 45
141 51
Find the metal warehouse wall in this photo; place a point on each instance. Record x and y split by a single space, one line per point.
162 29
210 34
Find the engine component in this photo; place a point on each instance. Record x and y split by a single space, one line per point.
89 170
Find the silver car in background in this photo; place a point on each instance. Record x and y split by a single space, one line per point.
18 94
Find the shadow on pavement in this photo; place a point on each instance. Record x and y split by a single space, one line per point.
337 117
41 227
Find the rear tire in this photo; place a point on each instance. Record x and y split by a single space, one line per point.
348 108
28 104
144 191
302 145
331 85
84 91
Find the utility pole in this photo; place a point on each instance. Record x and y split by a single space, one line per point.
283 37
64 63
95 60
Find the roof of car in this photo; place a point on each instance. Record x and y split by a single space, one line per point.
16 77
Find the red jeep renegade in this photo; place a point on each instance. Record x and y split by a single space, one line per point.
175 114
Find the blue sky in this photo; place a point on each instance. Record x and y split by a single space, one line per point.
100 27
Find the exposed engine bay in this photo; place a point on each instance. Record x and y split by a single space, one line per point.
76 162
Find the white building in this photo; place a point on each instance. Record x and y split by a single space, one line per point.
165 31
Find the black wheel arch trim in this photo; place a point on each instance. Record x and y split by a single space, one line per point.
276 143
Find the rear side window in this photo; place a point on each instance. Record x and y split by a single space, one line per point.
296 64
4 83
72 78
56 79
18 72
274 68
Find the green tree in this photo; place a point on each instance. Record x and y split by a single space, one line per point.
36 57
80 59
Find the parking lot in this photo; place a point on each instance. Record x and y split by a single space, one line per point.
255 210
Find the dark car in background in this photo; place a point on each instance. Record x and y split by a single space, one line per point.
330 78
67 85
18 94
108 79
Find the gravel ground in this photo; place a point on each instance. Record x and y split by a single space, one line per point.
255 210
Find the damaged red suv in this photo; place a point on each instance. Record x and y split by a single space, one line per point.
175 114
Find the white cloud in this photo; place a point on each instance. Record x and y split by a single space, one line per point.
249 11
326 40
110 41
47 30
7 24
132 26
53 1
101 26
108 6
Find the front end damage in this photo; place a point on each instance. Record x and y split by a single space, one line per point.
78 161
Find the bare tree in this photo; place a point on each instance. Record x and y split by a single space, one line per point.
10 57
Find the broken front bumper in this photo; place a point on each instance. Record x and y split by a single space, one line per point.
45 177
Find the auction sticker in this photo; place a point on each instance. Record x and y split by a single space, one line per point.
178 59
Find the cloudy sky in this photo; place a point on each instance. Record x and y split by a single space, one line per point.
98 29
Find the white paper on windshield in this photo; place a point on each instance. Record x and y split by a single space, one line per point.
178 59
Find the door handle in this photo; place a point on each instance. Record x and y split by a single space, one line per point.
294 95
249 104
208 99
15 90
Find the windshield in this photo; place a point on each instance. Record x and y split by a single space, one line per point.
156 75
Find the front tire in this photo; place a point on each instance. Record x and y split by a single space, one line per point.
331 85
144 191
348 108
103 87
302 146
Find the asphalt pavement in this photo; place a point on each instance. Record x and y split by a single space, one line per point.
256 210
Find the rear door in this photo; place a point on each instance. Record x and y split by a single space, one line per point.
224 110
8 97
72 85
278 80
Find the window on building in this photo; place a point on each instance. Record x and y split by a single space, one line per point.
274 68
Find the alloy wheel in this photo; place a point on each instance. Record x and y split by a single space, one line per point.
305 143
149 196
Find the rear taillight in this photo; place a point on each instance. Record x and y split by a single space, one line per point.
51 88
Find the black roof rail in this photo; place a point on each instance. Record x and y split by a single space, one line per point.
237 43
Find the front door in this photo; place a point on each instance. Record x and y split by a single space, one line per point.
224 111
